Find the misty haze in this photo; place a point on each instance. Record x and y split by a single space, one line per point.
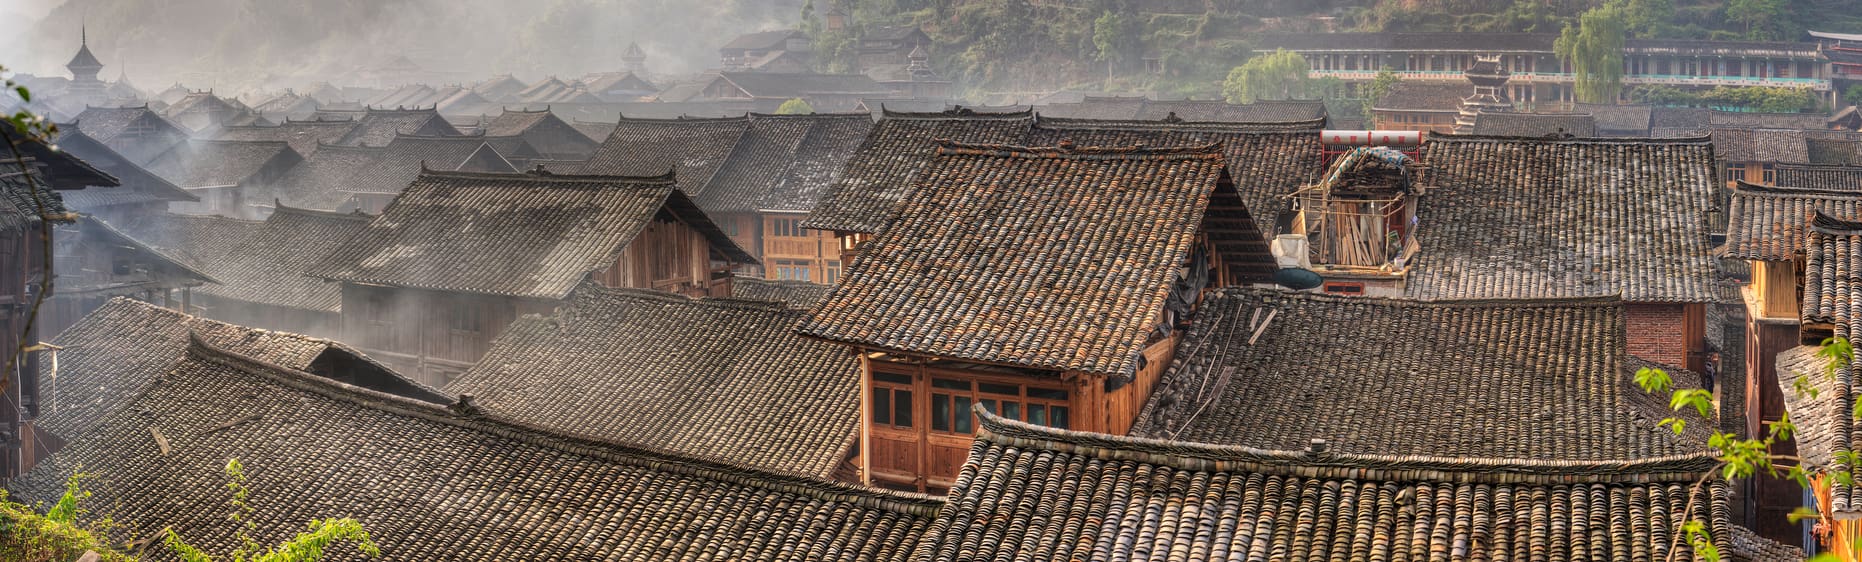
930 280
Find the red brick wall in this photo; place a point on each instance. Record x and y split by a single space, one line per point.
1658 332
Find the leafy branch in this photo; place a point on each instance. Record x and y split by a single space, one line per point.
1748 457
307 546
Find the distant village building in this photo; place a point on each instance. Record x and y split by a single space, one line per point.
1489 93
95 262
224 175
141 193
377 126
1103 283
1539 77
457 256
548 135
783 50
137 132
203 113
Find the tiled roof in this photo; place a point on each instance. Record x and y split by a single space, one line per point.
1618 118
716 378
1833 178
1037 493
444 483
830 144
403 158
1516 218
1752 120
1483 43
761 40
1537 125
107 123
1542 380
500 88
807 149
125 345
798 294
1689 118
1096 107
139 185
1770 223
509 234
1759 145
1421 96
73 237
196 239
595 130
303 136
23 205
1845 151
1743 545
881 172
267 265
1267 160
321 180
201 111
1826 423
378 126
1024 257
211 163
693 149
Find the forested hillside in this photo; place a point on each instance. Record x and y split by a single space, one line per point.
1037 45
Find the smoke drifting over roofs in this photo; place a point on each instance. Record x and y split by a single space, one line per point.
241 44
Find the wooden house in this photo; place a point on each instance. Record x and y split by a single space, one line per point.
1768 229
203 113
722 378
782 50
1047 284
767 90
226 176
30 209
95 262
138 133
1819 394
457 256
1415 106
768 185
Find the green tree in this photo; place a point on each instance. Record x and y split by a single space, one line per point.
1853 94
1764 20
1648 18
308 546
796 106
1380 85
1279 75
1594 48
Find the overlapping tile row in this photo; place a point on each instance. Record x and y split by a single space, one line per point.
830 144
691 149
1267 161
321 181
718 378
1536 125
1731 144
1544 380
196 239
433 482
1770 223
139 185
797 294
882 171
1036 493
267 265
1826 424
1521 218
757 161
521 235
377 127
1263 111
1832 178
122 346
1053 258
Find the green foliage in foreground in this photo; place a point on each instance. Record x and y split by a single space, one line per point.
56 536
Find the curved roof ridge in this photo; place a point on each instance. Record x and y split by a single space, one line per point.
958 112
1168 122
1742 187
1835 226
947 147
667 178
1212 457
1450 137
462 414
280 207
683 119
1614 300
